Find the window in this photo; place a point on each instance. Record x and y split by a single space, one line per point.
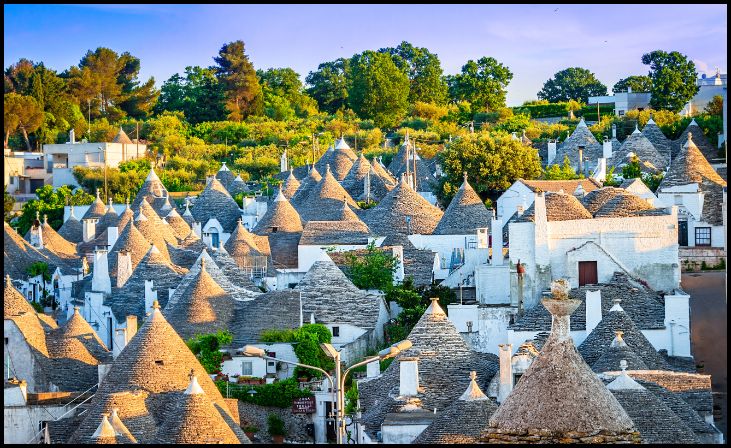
678 199
621 113
246 368
336 331
160 362
516 377
702 236
587 273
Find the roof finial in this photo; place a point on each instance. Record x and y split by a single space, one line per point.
623 365
72 212
38 215
473 375
203 264
45 219
76 310
618 341
464 173
97 194
616 307
8 281
156 305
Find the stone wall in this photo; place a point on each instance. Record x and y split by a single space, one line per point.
496 435
295 424
691 258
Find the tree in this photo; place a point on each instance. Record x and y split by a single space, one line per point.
21 112
637 83
328 85
563 172
715 106
379 89
283 91
240 84
40 269
51 202
673 79
424 71
206 348
574 83
494 162
483 83
9 203
374 270
198 95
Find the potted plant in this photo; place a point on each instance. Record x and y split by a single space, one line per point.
276 428
250 431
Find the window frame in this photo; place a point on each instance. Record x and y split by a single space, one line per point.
703 237
250 368
336 331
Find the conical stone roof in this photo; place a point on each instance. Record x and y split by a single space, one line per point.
581 136
353 182
383 172
96 210
701 142
325 199
122 137
655 135
241 244
129 240
290 186
78 341
641 147
14 303
110 219
204 307
156 223
55 243
389 216
425 180
617 351
625 205
342 160
380 187
281 215
178 224
225 176
308 183
594 200
71 230
152 230
152 189
324 160
156 361
465 213
125 218
559 207
216 202
559 393
238 186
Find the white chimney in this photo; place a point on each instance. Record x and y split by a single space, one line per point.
629 89
497 242
100 281
197 228
541 229
124 267
551 151
409 377
506 372
72 136
607 149
614 131
36 235
580 167
150 295
283 162
593 310
600 174
120 341
399 275
373 369
103 369
131 327
88 229
112 235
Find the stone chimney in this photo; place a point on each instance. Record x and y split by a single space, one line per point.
607 148
551 151
112 235
506 372
373 369
600 174
399 275
283 162
197 228
100 281
614 131
124 267
586 168
150 295
593 310
120 341
131 326
560 307
88 229
497 242
541 229
72 136
36 233
409 377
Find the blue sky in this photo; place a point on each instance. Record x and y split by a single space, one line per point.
534 41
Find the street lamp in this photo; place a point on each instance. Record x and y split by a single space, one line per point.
339 391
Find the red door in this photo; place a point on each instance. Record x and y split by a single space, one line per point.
587 273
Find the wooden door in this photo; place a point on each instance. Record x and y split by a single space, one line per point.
683 233
587 273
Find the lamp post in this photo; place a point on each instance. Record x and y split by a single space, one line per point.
337 384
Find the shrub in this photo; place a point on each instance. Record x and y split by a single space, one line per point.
275 425
279 394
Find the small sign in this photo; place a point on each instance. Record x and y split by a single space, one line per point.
304 405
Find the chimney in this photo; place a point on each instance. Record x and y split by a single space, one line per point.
581 159
607 148
36 233
586 168
560 307
601 170
131 327
614 131
197 228
497 242
551 151
100 281
629 89
367 185
373 369
541 229
88 229
398 252
112 235
124 267
103 369
120 341
72 136
150 295
593 310
409 377
506 372
283 162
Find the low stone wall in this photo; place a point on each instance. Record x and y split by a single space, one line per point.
692 258
295 424
496 435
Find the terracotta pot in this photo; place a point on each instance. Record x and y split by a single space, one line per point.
250 435
278 439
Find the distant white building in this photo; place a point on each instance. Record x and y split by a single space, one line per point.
62 158
708 87
623 101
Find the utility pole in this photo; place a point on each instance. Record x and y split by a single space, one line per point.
137 134
89 120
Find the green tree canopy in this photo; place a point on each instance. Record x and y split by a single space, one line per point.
328 85
483 83
493 162
198 95
283 94
379 89
637 83
206 348
715 106
563 172
374 270
574 83
673 79
21 112
9 203
51 202
241 87
424 70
